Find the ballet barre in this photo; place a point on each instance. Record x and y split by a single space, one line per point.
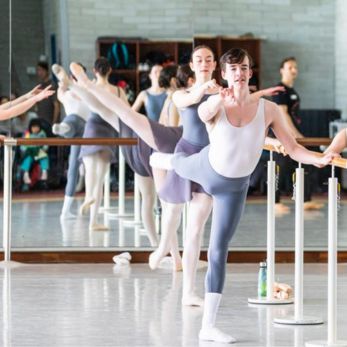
299 318
8 144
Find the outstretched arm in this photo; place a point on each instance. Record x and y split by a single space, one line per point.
22 107
339 142
182 98
21 98
295 151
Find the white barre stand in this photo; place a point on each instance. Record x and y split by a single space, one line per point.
7 205
270 257
299 318
332 270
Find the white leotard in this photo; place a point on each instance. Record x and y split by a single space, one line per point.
235 151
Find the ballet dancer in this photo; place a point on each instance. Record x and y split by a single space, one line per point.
72 126
237 126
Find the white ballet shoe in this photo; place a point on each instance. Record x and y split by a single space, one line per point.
60 129
214 334
67 215
192 300
44 175
61 75
122 259
98 227
161 161
154 260
84 208
79 74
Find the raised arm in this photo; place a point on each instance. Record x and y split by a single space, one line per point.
22 107
295 151
183 98
339 142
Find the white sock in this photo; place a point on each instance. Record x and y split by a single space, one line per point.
208 330
66 210
60 129
26 178
44 175
161 161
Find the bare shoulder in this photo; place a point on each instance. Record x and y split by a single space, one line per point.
270 106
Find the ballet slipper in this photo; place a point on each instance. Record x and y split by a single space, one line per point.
26 178
122 259
312 205
214 334
98 227
154 260
161 161
281 208
60 129
84 208
80 75
192 300
61 75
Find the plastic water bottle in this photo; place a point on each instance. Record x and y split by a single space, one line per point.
262 280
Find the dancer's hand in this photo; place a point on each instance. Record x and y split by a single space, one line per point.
211 87
273 91
45 93
226 94
36 90
278 147
326 159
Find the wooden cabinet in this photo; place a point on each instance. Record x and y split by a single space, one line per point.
127 56
140 52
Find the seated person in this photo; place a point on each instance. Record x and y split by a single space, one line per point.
32 154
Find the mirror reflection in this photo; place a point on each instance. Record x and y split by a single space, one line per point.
133 71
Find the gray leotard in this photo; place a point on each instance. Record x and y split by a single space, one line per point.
154 105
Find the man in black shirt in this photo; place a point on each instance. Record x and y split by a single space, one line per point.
289 103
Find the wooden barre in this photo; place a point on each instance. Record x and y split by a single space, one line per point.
339 162
74 141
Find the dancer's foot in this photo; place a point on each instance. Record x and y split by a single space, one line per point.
177 265
161 161
281 208
154 260
98 227
67 215
312 205
85 206
60 129
80 75
214 334
192 300
61 75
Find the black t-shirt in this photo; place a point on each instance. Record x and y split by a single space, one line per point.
45 108
291 99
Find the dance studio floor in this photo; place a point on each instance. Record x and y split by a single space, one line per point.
106 305
36 224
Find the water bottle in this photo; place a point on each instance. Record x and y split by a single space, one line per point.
262 280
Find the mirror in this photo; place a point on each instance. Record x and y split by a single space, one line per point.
63 31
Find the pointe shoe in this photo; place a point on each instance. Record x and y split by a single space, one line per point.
192 300
79 74
84 208
61 75
214 334
312 205
98 227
